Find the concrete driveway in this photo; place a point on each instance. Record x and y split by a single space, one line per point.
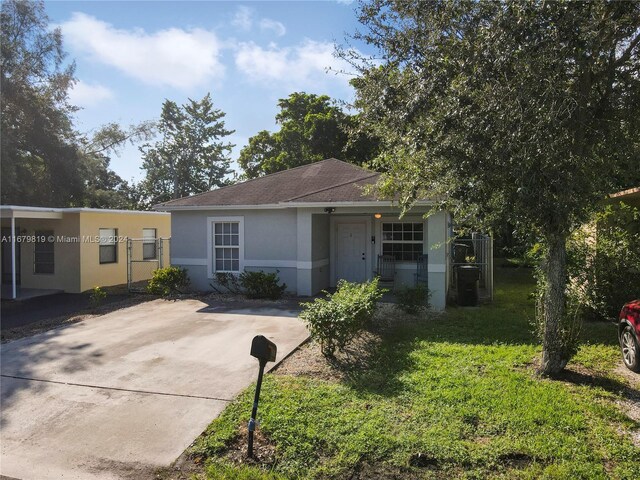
120 395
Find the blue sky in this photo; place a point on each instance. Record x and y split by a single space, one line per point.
131 56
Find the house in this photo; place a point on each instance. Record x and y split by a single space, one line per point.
313 224
71 249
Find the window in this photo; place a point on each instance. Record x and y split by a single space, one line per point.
403 240
226 246
108 246
149 244
43 258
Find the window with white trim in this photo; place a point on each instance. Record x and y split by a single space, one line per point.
108 245
226 246
149 244
403 240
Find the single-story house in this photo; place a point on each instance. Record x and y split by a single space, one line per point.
314 224
71 249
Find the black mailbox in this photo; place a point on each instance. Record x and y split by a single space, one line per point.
263 349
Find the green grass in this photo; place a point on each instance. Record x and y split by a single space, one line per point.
458 390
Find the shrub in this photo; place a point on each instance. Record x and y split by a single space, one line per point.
335 321
97 297
168 281
413 300
228 281
604 261
262 285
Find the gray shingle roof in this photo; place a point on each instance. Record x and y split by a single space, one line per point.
326 181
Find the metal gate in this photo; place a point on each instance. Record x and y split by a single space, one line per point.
477 251
144 256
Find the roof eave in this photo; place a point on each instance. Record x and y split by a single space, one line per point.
284 205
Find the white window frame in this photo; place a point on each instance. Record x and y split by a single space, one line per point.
211 259
403 221
108 240
150 241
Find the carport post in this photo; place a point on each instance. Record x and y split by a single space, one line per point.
14 292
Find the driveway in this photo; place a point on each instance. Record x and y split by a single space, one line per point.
120 395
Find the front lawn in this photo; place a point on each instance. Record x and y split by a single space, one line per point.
448 397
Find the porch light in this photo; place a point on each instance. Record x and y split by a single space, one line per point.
377 215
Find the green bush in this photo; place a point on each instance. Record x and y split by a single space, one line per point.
413 300
97 297
604 261
335 321
168 281
227 280
262 285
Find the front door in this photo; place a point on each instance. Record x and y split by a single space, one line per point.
351 261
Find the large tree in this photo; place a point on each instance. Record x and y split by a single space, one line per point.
526 112
103 188
44 160
190 157
312 128
40 164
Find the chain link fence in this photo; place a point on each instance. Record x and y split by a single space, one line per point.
144 256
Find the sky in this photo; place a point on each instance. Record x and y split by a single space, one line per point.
131 56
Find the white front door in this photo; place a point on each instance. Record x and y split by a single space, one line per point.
351 259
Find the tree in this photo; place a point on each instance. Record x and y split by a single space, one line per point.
190 157
103 187
312 128
39 162
45 161
526 112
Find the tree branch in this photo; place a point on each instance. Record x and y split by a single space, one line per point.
627 53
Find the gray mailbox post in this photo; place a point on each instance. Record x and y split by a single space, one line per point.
265 351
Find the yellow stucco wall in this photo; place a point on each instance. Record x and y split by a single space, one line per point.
66 274
129 224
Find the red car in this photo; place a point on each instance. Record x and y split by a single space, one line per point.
629 335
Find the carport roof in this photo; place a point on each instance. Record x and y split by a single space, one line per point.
327 181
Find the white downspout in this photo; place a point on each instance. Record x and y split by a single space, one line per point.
14 292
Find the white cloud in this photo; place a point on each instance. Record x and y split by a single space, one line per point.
303 66
84 94
243 18
273 25
173 57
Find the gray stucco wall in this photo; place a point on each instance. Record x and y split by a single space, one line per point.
297 243
320 251
269 243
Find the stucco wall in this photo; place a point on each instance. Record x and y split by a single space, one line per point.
93 273
298 243
269 243
66 274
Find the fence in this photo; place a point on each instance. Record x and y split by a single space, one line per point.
144 255
477 251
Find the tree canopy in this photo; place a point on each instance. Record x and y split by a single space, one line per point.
520 112
312 128
45 161
191 155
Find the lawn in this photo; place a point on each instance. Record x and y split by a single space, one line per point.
449 397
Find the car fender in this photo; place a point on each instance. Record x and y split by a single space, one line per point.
626 323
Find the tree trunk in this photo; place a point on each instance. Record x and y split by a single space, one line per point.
553 348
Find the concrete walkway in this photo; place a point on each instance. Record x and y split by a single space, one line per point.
120 395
